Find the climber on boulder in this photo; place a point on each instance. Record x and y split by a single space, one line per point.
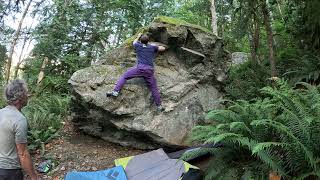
144 68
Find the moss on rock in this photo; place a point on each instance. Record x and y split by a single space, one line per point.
130 40
166 20
179 22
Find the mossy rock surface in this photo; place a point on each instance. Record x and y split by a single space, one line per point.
179 22
165 20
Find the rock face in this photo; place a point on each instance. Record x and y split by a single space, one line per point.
190 77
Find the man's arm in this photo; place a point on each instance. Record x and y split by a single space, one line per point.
25 160
21 130
137 39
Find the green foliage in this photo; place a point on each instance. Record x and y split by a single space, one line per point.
129 41
56 73
73 34
45 115
246 80
302 68
8 6
38 138
3 57
193 11
2 100
279 133
303 22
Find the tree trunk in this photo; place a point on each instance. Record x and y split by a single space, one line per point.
254 40
17 70
41 74
14 42
271 19
214 19
266 18
20 58
222 22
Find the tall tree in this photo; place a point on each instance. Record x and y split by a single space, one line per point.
267 24
14 42
248 22
254 38
194 11
41 73
20 60
214 23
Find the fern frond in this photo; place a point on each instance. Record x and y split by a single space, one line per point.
197 153
221 116
283 129
239 125
271 161
265 145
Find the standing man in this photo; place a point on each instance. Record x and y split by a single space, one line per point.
144 68
14 153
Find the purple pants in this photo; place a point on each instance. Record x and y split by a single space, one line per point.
147 73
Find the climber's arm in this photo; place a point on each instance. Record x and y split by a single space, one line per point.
137 39
161 48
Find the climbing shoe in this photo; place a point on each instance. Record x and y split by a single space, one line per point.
113 94
160 108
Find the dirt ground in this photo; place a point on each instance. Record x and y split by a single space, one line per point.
75 151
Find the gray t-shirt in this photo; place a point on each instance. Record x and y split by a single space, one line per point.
13 130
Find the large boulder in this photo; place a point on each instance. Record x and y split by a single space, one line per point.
190 76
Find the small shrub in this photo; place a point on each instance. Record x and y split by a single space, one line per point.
302 69
246 80
45 115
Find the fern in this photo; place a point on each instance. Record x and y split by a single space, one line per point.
283 129
279 133
196 153
304 69
45 115
238 126
221 137
265 145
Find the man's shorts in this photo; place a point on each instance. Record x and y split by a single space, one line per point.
11 174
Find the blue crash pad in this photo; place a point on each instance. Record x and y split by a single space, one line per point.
116 173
